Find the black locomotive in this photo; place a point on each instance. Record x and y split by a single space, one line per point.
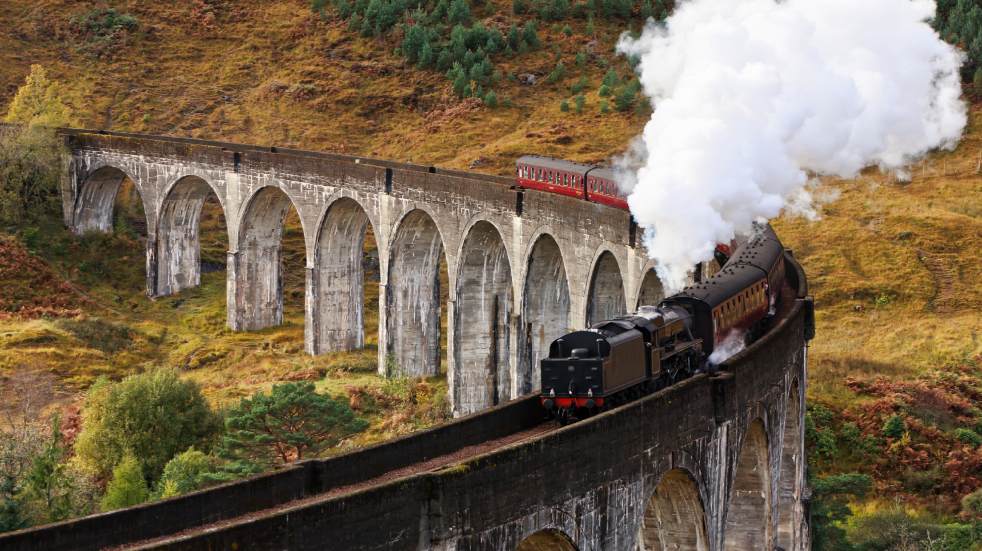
624 358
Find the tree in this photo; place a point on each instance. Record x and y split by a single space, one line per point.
459 12
48 482
491 99
519 7
514 37
530 35
152 415
564 106
413 42
625 98
610 78
426 56
128 487
830 497
289 423
186 472
557 74
894 426
38 101
579 102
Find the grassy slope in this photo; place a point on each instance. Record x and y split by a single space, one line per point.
893 266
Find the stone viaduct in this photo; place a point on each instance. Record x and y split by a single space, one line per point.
523 266
713 463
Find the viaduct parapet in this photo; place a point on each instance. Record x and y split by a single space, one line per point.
524 267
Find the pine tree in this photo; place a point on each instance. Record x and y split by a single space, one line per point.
413 42
604 91
564 106
426 55
445 60
579 102
610 79
604 106
514 37
519 7
127 487
288 424
557 73
625 98
530 35
459 12
491 100
590 30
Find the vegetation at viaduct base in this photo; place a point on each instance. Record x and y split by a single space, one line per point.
894 420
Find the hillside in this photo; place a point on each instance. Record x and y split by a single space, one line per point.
893 265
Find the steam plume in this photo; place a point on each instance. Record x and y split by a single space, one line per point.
754 97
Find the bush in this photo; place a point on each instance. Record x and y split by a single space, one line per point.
564 106
519 7
972 503
186 472
625 98
153 416
610 78
288 424
894 427
459 12
579 101
604 91
491 100
968 436
604 107
530 35
567 30
127 487
557 74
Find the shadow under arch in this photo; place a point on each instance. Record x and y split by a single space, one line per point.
258 300
605 297
651 292
788 490
413 305
549 539
338 311
484 306
748 513
545 308
93 209
179 233
674 518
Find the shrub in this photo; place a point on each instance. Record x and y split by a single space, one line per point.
968 436
127 487
530 35
490 99
580 59
185 472
625 98
459 12
894 427
579 101
152 416
579 86
567 30
610 78
604 107
972 503
604 90
557 74
519 7
289 423
564 106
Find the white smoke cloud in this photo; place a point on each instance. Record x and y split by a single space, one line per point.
733 343
755 97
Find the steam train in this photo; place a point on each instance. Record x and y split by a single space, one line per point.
621 359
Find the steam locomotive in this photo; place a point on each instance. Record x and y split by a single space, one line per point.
619 360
